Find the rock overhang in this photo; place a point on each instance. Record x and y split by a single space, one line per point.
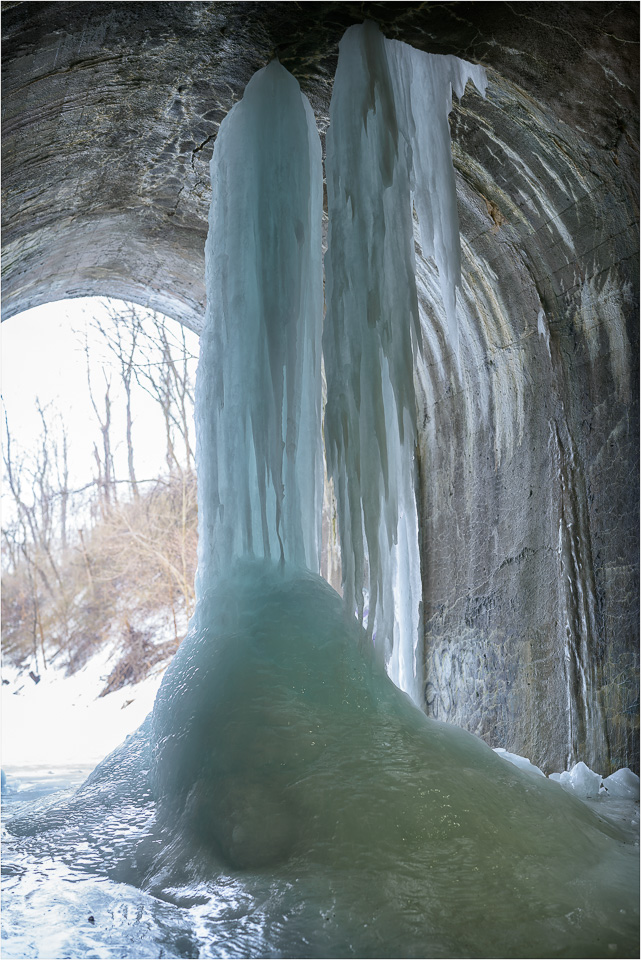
110 114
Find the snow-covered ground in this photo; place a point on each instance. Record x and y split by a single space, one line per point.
61 723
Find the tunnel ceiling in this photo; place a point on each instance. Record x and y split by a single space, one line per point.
110 112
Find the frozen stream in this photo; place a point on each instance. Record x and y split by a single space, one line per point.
53 908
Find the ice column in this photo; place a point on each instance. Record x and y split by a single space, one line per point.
258 394
388 149
423 86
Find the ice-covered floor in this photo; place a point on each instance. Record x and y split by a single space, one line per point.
392 815
50 910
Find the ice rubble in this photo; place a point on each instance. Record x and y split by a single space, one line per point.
585 783
623 784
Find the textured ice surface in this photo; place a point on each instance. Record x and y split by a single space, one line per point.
585 783
299 805
423 85
388 147
580 780
623 784
258 393
519 761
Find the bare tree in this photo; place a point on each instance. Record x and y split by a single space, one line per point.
104 458
32 525
148 352
62 476
165 373
120 334
78 561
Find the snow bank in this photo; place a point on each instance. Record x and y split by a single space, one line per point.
62 722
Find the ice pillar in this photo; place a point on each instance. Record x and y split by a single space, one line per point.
388 151
258 394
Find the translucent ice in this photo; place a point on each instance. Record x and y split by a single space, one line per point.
388 144
423 85
298 804
623 785
259 388
580 780
585 783
519 761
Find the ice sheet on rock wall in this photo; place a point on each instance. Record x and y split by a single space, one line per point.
388 143
258 389
423 85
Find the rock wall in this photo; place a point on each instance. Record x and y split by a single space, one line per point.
529 451
528 448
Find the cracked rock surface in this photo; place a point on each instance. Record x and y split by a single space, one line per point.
528 455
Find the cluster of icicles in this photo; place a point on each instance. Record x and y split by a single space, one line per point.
259 388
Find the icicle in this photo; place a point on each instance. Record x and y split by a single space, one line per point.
258 390
371 330
423 92
388 142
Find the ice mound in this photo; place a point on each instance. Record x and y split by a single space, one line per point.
522 762
288 792
580 780
585 783
280 747
622 785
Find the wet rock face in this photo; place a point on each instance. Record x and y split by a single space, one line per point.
528 457
529 447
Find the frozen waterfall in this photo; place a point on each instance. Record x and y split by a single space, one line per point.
388 152
285 798
258 395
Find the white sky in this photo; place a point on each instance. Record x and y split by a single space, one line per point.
43 356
